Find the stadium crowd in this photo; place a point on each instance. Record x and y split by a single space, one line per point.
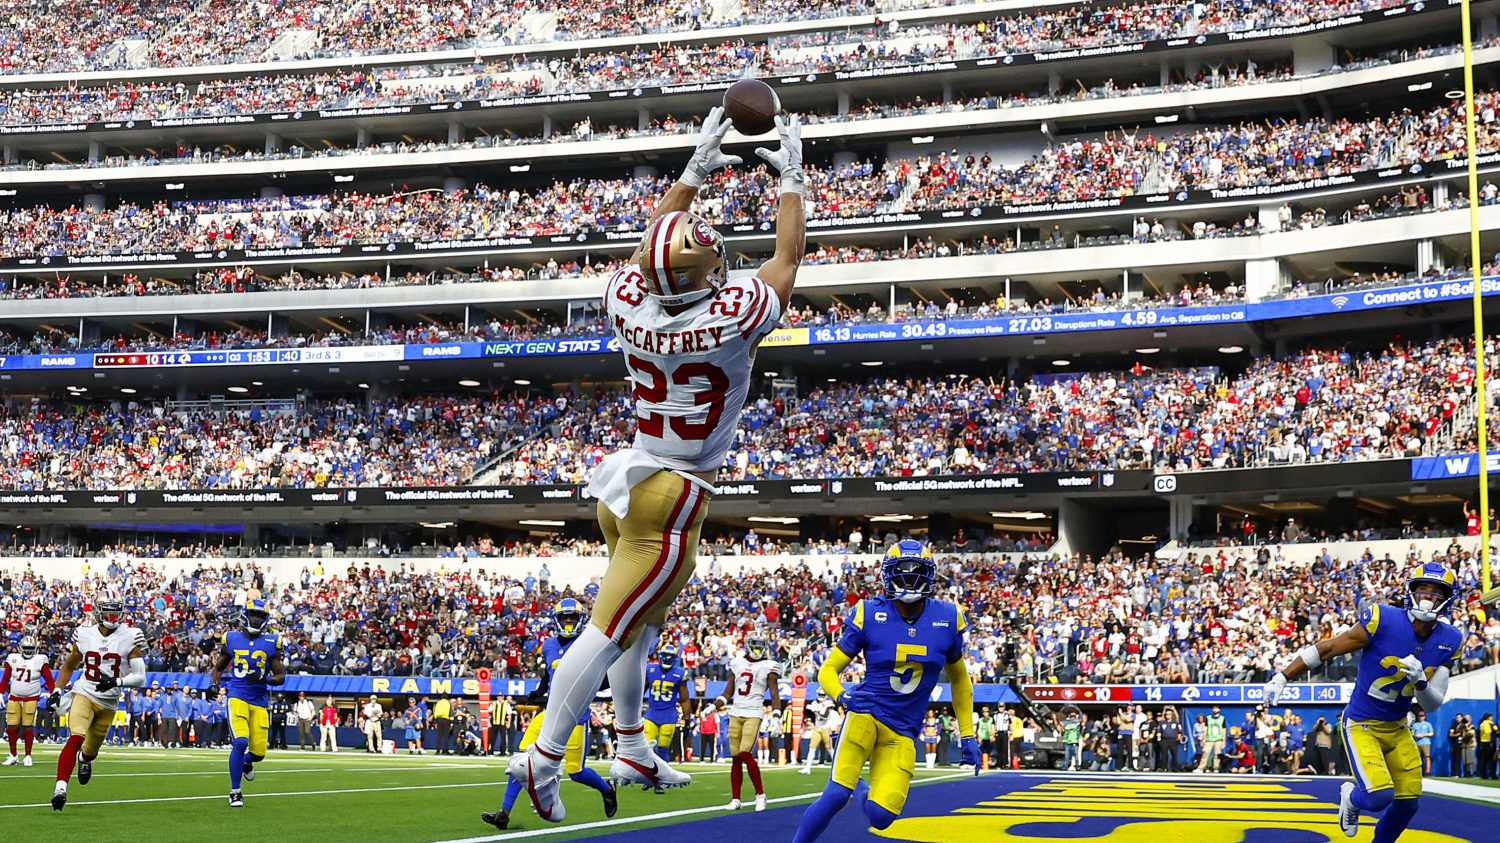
1314 406
73 36
1199 618
1113 165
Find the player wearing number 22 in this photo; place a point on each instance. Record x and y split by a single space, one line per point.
113 656
1407 658
252 654
689 334
907 637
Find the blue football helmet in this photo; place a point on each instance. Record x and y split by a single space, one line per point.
568 618
908 571
255 617
666 656
1425 609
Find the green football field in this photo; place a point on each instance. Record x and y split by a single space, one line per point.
182 795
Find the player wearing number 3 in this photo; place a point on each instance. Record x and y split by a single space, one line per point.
1406 659
907 637
689 336
113 656
253 655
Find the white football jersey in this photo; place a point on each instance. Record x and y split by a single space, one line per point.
750 680
26 675
105 655
691 371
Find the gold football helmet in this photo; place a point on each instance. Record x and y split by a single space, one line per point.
682 258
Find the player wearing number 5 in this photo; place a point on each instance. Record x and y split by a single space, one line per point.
1407 658
253 656
113 656
689 334
907 637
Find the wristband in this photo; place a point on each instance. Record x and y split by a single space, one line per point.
793 180
1310 657
1420 685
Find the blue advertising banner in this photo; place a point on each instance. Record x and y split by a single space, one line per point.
1058 323
1457 465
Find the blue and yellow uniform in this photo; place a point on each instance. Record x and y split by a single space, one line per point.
664 685
249 698
552 653
903 661
1382 752
903 658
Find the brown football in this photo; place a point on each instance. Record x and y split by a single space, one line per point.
753 107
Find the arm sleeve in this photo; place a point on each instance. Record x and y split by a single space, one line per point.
137 676
5 680
47 680
1432 697
828 674
963 697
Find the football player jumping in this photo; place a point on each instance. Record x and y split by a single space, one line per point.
113 656
907 638
26 674
689 335
568 620
1408 656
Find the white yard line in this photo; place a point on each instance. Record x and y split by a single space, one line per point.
665 815
260 795
1476 792
103 777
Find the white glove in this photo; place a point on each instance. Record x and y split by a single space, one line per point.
65 704
788 158
708 157
1275 688
1411 667
709 708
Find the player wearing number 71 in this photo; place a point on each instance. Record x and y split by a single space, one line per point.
689 335
1406 659
113 657
254 653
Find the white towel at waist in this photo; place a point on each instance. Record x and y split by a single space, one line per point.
624 470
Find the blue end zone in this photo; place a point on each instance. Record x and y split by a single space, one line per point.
1034 807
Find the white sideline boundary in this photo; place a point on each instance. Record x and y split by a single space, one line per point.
664 815
1478 793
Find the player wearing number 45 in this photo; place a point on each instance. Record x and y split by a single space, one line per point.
253 654
1407 658
113 656
689 334
907 637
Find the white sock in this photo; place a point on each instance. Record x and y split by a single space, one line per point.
627 681
574 684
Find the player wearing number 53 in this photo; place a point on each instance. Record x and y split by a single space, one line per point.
689 335
113 657
252 654
1407 658
907 637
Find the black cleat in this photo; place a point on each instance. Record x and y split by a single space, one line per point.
236 799
611 801
500 819
59 798
249 771
85 770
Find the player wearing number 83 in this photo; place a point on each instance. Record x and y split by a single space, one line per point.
252 654
689 334
1407 659
113 657
907 638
